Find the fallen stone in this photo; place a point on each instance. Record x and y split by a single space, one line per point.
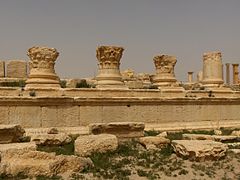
217 132
154 142
235 145
235 133
11 133
51 139
225 138
197 137
36 163
86 145
163 134
18 146
235 151
52 131
119 129
199 150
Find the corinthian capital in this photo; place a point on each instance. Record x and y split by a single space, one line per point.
165 63
109 53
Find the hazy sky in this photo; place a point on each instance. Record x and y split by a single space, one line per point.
145 28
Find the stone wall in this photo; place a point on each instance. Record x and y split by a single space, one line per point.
165 113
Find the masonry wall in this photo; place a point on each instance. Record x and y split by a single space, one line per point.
174 113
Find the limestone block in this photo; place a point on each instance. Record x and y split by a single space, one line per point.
16 69
153 142
51 139
52 131
197 137
30 146
236 133
36 163
225 138
134 84
4 114
119 129
2 68
235 151
10 133
26 116
86 145
199 150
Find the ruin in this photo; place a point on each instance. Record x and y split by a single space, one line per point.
158 100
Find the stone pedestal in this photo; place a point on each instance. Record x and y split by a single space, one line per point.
42 73
190 77
227 73
212 69
109 75
235 73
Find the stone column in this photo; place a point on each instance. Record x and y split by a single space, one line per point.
199 76
227 73
235 73
109 75
190 77
212 69
164 70
42 73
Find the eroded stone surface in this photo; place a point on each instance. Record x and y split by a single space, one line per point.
2 68
16 69
120 129
197 137
11 133
86 145
153 142
36 163
199 150
51 139
235 133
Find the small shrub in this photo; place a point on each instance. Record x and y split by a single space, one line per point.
83 84
32 93
151 133
67 149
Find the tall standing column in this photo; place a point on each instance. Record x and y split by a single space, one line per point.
235 73
212 69
109 75
164 70
190 77
42 73
227 73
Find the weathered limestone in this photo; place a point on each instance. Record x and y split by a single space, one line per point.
227 73
10 133
2 69
51 139
212 69
86 145
30 146
109 75
164 70
199 150
219 138
36 163
235 73
145 78
236 133
200 76
190 77
119 129
154 142
42 73
16 69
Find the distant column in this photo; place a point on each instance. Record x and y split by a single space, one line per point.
227 73
164 70
42 73
109 75
235 73
212 69
190 77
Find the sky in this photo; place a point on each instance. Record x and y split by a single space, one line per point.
145 28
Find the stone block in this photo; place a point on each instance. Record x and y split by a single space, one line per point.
2 68
16 69
36 163
51 139
10 133
199 150
86 145
18 146
153 142
119 129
